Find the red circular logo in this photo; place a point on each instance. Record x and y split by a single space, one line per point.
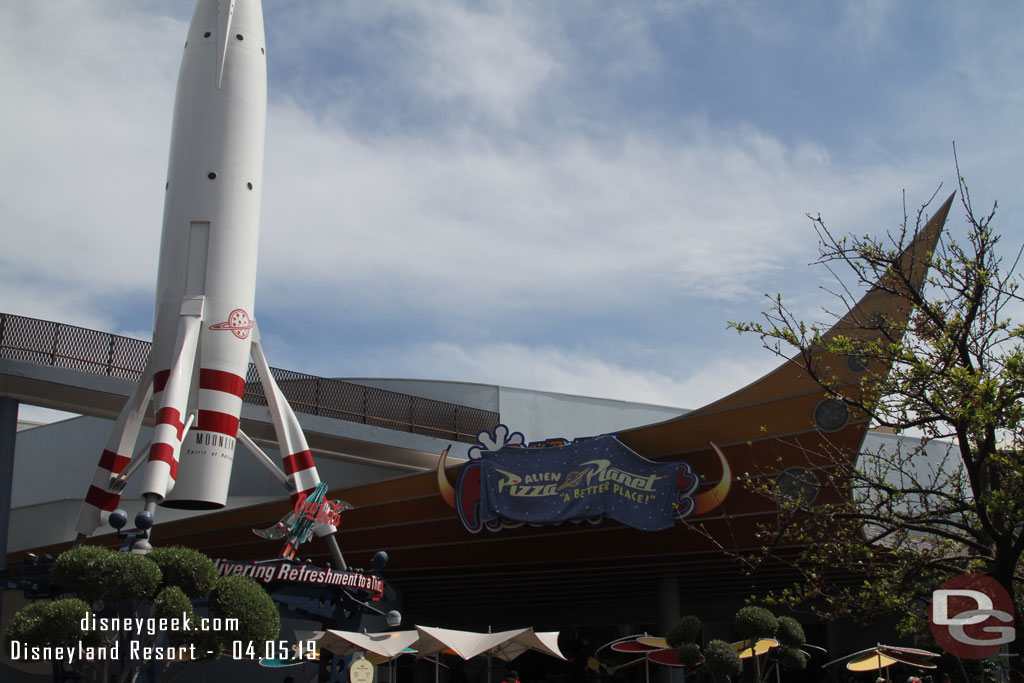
239 323
972 616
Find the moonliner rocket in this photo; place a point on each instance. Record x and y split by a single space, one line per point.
204 330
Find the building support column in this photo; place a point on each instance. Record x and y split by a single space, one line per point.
668 615
8 435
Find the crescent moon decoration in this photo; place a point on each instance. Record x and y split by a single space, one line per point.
443 485
712 498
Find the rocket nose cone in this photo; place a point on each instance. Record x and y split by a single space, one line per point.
234 23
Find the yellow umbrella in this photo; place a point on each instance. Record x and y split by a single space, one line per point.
759 648
870 662
653 641
879 660
881 656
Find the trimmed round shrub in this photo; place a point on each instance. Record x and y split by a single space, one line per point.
243 598
187 568
756 622
688 654
685 630
94 572
51 623
722 659
172 603
81 567
790 632
790 658
129 576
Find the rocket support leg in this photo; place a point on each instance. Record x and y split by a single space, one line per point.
103 497
162 465
295 456
264 459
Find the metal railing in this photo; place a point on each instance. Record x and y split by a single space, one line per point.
101 353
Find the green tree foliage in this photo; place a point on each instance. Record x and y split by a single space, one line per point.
721 659
950 498
791 637
166 579
243 598
688 654
186 568
81 568
753 623
790 632
95 572
173 603
790 658
50 623
685 630
130 576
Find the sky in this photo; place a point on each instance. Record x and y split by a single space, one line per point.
564 196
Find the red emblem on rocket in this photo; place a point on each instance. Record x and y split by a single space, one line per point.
238 322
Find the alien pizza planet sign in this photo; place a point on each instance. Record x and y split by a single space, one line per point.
586 480
286 572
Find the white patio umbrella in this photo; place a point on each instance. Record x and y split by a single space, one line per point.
466 644
545 642
505 645
387 645
431 640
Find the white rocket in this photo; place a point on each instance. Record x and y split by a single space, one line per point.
204 331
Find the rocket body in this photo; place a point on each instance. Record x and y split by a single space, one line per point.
208 249
203 328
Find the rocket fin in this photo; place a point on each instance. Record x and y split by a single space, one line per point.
295 456
169 430
101 499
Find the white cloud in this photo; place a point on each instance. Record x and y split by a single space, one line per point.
484 59
709 215
85 125
484 192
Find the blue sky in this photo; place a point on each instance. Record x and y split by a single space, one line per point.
568 196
